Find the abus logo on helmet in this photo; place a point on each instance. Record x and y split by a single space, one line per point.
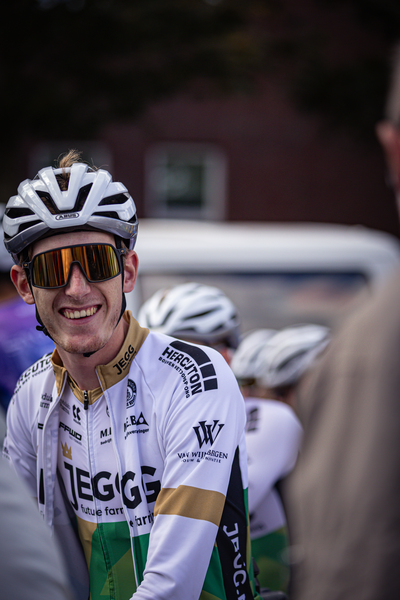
130 394
67 216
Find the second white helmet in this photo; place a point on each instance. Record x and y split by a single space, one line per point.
246 364
290 353
192 311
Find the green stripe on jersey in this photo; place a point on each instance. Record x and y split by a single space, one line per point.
111 570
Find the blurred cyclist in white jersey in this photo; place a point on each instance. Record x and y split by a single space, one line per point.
204 314
273 435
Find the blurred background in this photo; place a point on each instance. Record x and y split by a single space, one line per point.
209 109
222 111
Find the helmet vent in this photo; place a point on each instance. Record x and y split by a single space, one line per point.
24 226
110 214
81 198
15 213
201 314
116 199
48 202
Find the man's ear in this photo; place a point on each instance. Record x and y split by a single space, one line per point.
130 273
389 137
18 277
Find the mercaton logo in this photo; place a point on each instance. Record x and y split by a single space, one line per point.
207 433
193 365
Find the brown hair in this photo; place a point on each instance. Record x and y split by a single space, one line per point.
64 162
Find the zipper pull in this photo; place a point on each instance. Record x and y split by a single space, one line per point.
86 400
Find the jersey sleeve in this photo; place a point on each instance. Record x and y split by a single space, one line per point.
18 444
200 435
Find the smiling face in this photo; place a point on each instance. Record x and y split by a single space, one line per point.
81 317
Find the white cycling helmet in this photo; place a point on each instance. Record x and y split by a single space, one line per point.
92 201
245 363
290 352
6 262
192 311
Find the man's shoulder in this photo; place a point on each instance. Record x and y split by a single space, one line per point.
165 359
166 349
35 374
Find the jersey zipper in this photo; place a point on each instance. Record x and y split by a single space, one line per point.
86 400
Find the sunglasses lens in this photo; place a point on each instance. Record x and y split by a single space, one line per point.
98 261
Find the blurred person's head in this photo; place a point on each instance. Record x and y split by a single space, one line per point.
246 364
388 130
194 313
287 357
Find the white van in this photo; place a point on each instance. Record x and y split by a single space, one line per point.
276 274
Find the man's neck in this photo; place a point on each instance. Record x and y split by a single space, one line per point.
83 368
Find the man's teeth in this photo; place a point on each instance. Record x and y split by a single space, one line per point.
78 314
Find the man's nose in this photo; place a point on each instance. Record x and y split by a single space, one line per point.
77 284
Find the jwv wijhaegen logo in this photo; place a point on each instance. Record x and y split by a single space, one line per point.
207 433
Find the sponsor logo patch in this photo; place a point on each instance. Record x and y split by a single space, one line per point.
252 420
193 365
44 364
45 400
130 393
105 436
65 406
206 434
66 450
76 410
74 434
125 361
135 424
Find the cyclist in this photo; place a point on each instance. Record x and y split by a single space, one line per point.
20 343
273 435
132 441
204 314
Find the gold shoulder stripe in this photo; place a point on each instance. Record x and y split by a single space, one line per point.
59 370
191 502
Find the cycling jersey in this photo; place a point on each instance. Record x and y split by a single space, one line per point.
154 445
273 435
